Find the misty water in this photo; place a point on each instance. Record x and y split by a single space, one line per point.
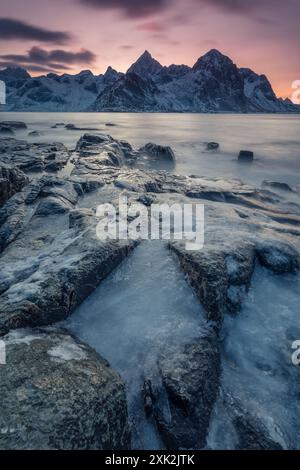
140 308
257 361
275 139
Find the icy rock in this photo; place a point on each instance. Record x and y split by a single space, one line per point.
58 393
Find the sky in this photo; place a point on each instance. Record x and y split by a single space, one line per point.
73 35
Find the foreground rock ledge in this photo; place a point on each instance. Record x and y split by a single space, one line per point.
57 393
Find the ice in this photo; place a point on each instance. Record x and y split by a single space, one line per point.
140 308
257 361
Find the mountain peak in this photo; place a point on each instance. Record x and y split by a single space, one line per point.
213 58
145 66
17 73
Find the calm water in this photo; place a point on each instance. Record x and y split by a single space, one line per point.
275 139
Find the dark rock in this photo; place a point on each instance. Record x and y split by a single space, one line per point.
12 180
34 134
53 205
191 376
58 393
279 257
207 274
158 152
149 398
5 130
246 156
276 185
14 124
212 146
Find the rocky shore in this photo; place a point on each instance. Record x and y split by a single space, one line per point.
57 392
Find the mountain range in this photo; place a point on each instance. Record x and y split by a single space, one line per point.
214 84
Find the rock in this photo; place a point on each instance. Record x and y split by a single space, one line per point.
12 180
246 156
58 393
158 153
69 267
212 146
276 185
191 375
149 398
207 275
110 124
279 257
34 134
58 124
14 124
53 205
31 157
251 432
5 130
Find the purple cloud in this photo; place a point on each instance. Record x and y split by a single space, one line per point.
15 29
131 8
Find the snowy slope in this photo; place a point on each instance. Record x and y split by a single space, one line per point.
213 84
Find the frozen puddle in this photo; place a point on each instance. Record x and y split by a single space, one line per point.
257 364
142 306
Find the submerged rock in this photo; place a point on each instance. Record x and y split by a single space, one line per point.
5 130
212 146
246 156
58 393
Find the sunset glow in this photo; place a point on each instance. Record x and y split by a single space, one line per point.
72 35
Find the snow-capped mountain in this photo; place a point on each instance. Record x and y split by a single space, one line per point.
213 84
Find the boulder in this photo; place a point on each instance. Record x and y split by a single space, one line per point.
14 124
246 156
158 153
212 146
58 393
191 377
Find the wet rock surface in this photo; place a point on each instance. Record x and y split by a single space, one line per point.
32 157
51 260
190 375
12 180
58 393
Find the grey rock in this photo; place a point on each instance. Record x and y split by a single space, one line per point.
191 377
279 257
246 156
14 124
277 186
57 393
12 180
